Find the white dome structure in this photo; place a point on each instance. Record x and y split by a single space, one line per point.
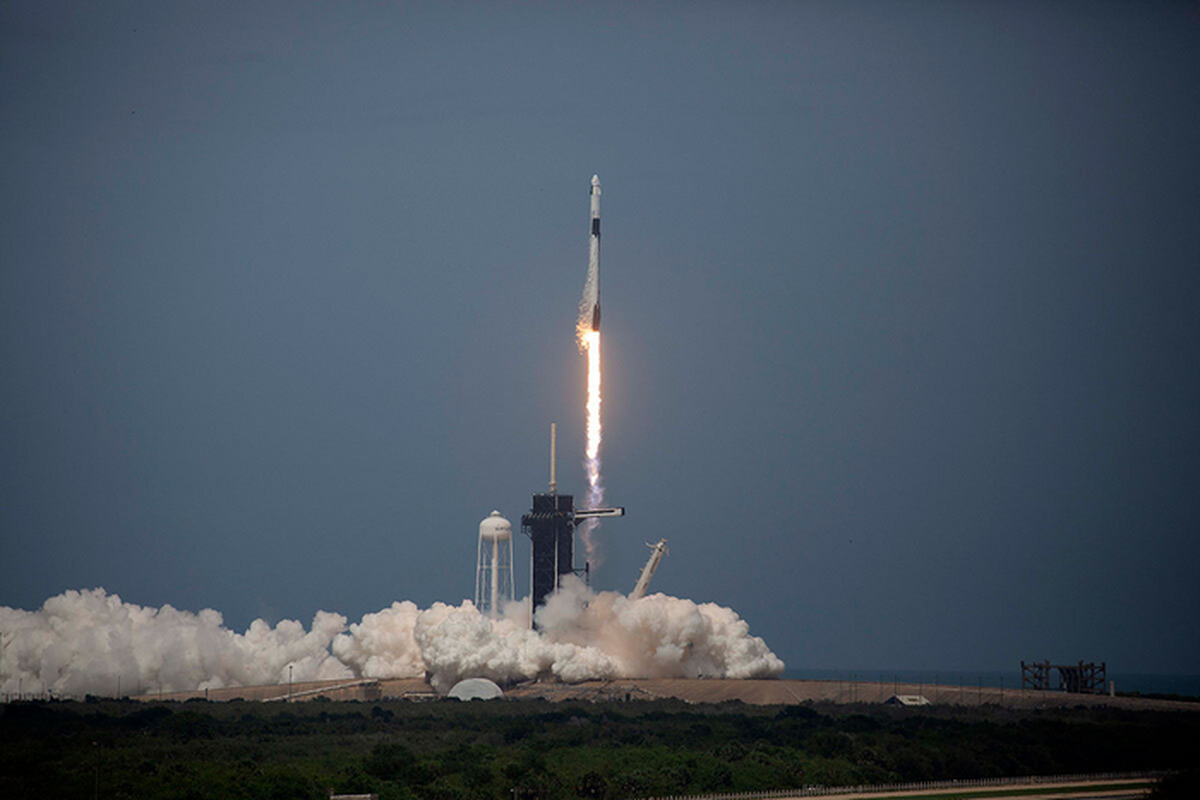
494 565
475 689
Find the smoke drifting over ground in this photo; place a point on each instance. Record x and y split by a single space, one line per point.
82 641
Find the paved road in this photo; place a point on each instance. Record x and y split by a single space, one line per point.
1100 791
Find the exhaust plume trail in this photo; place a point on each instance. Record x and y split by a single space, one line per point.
587 333
595 488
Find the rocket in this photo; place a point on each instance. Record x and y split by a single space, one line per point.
594 254
589 304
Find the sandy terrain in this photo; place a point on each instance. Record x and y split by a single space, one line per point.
753 692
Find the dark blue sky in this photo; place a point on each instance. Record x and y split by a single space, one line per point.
900 304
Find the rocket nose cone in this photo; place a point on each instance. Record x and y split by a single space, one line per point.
595 180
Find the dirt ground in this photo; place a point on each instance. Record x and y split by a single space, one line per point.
692 690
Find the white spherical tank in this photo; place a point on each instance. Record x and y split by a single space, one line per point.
494 565
494 528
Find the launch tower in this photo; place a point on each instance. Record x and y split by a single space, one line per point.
550 525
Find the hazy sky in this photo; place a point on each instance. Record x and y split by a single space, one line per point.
901 310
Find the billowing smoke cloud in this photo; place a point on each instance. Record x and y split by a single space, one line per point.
81 641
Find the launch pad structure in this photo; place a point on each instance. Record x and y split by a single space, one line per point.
550 525
1078 678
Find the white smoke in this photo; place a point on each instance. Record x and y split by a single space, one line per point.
81 641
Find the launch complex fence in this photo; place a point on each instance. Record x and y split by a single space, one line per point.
925 786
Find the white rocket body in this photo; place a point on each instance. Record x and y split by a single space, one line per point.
590 313
657 551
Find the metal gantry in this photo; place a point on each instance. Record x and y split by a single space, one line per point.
1080 678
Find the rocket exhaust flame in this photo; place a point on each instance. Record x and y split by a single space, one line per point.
595 489
587 333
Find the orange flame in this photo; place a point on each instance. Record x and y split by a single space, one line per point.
589 341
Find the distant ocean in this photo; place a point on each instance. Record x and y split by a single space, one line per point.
1187 685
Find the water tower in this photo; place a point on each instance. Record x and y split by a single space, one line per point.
494 566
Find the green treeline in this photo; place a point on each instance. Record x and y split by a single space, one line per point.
541 750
